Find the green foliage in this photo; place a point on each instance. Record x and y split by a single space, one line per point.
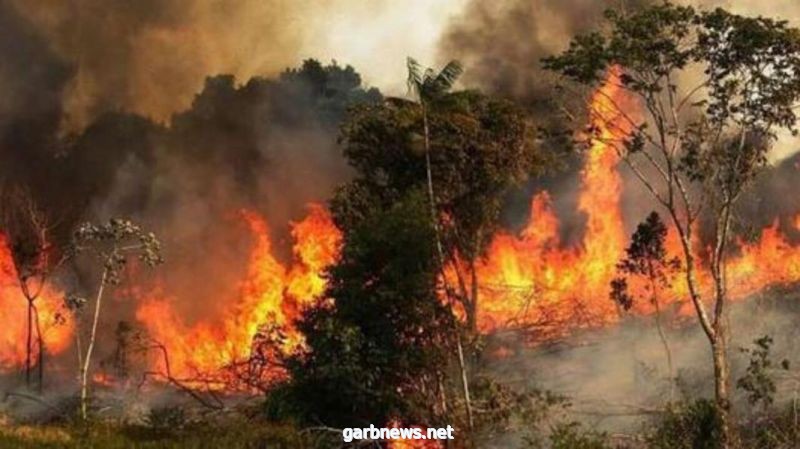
694 425
757 381
377 346
504 410
573 436
429 85
479 148
773 429
646 256
330 89
748 87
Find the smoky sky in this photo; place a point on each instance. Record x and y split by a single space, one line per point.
151 56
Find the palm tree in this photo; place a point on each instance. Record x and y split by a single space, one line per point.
429 86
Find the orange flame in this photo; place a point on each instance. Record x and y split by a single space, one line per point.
56 327
526 279
271 294
530 280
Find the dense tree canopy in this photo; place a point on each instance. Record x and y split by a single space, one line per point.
480 147
376 348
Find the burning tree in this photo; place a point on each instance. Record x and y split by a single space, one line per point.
111 244
699 142
27 228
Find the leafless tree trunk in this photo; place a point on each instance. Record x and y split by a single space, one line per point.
442 260
87 358
27 228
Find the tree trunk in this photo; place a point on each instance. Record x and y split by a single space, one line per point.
721 390
440 253
716 331
661 334
472 311
29 346
431 196
719 344
465 385
40 344
90 348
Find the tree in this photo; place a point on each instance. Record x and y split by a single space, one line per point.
27 228
111 244
465 149
477 148
647 258
695 147
375 346
428 87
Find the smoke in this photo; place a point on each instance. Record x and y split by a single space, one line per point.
118 108
502 44
151 56
616 378
268 145
32 79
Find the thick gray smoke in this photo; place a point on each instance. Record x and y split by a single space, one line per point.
618 378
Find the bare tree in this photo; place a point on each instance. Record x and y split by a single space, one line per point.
28 229
697 145
111 245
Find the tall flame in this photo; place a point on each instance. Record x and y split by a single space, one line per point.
271 294
531 280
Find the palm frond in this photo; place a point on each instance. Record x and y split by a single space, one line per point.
415 76
428 84
448 75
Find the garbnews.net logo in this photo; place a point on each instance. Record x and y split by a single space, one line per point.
351 434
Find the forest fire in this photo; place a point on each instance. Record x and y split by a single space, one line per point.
530 279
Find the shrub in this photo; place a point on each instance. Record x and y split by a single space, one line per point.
693 425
